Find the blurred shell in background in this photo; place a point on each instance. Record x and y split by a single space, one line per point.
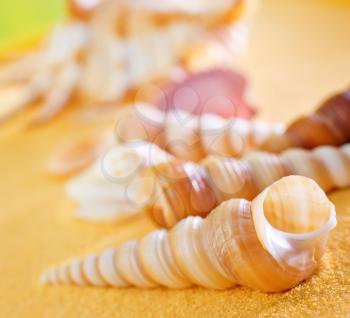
218 91
108 48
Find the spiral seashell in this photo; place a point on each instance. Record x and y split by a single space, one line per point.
193 137
272 244
329 125
184 189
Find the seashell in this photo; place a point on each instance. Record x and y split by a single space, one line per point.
271 244
108 190
107 49
184 188
77 154
328 125
192 137
217 91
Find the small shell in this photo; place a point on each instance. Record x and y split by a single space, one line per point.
218 91
272 244
77 154
109 190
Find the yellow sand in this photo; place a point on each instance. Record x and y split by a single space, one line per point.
299 52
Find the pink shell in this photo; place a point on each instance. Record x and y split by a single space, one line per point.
218 91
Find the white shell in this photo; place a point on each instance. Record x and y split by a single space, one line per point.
108 191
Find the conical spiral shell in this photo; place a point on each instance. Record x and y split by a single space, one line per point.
271 244
185 189
193 137
329 125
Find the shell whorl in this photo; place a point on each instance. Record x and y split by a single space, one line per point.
193 137
328 125
199 188
238 243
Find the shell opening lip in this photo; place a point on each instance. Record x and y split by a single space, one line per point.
269 234
330 224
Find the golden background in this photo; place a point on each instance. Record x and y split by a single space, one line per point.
299 53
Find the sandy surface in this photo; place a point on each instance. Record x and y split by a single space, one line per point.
299 53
